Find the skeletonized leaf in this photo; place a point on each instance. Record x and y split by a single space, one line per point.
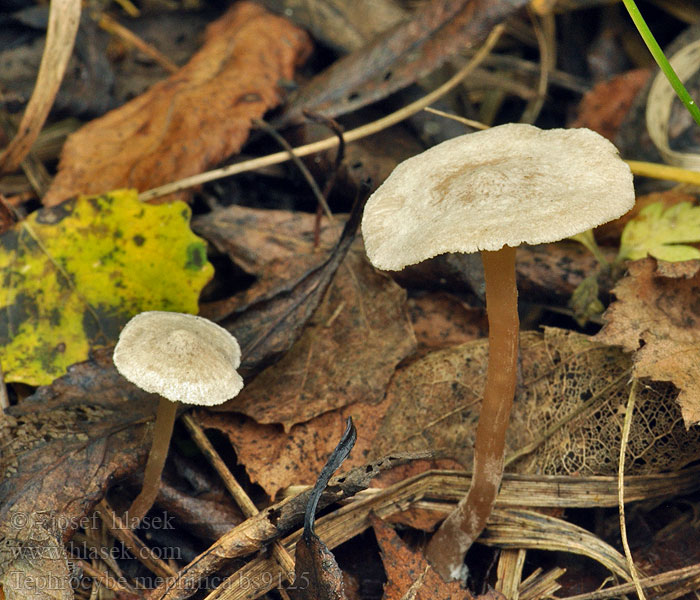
433 402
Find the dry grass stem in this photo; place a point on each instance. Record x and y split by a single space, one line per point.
621 487
439 490
666 586
544 28
64 18
464 120
538 586
510 573
517 528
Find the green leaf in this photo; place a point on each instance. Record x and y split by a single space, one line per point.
662 234
72 275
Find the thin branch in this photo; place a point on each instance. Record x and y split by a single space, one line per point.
318 194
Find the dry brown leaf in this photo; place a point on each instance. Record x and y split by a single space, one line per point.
318 576
341 24
269 325
657 316
61 448
39 570
192 120
276 460
398 57
356 337
433 403
274 245
604 108
252 237
441 319
347 353
408 573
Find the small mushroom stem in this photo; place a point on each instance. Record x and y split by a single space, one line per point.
450 543
162 432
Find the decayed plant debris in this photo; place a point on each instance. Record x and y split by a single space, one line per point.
324 335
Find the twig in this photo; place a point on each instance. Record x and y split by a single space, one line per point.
298 163
464 120
64 18
350 136
659 171
339 155
141 552
115 28
282 557
621 488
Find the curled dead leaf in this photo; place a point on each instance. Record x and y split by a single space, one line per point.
193 119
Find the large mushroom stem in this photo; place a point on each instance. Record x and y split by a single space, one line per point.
450 543
162 432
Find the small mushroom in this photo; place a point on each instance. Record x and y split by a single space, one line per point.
183 358
491 191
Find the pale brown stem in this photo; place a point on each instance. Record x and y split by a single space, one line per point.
450 543
162 432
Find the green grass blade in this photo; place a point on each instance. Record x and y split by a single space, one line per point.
661 59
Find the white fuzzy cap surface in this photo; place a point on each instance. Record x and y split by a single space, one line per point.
507 185
179 356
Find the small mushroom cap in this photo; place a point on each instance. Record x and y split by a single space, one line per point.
181 357
507 185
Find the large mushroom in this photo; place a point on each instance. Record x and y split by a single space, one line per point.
183 358
489 192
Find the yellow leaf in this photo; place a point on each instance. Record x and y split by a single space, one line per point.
662 235
72 275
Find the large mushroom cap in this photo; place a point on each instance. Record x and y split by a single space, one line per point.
181 357
508 185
